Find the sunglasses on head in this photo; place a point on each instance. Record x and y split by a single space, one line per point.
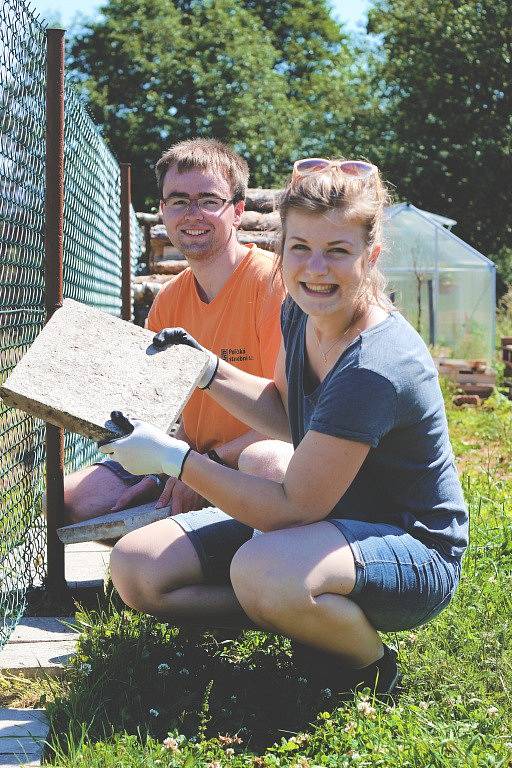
309 165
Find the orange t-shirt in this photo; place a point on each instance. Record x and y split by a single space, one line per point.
241 325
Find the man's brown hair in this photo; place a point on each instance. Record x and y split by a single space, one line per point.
206 155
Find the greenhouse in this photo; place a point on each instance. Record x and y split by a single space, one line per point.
442 285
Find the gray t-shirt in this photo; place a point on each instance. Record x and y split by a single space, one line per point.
383 391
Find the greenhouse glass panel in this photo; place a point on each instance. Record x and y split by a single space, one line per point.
443 286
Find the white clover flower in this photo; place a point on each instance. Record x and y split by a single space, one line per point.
154 712
163 669
229 752
493 711
366 708
171 744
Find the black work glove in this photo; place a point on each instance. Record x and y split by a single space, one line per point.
169 337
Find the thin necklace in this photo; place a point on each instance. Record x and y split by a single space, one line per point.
337 341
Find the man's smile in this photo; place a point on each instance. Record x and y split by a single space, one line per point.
195 232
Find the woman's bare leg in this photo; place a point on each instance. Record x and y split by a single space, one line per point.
156 570
296 582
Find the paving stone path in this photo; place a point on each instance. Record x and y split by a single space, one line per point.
43 645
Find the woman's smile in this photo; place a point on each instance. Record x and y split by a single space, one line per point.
319 289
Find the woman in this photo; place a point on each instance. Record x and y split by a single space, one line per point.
365 528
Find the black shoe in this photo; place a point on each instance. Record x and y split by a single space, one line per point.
382 677
326 669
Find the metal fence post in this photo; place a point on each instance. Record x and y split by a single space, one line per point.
126 266
54 215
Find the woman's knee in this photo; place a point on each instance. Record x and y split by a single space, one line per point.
151 562
262 589
127 569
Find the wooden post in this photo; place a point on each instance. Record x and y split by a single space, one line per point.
126 266
54 218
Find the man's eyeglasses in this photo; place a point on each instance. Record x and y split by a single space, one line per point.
206 203
310 165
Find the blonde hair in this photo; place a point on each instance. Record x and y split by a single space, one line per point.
360 199
205 155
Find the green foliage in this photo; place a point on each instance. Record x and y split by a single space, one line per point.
444 76
483 432
276 80
504 317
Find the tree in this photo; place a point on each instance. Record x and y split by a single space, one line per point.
274 79
326 80
444 79
154 75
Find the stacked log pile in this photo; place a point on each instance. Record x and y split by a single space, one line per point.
260 223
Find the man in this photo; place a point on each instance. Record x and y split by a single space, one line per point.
227 299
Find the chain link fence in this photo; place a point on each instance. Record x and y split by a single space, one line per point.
92 274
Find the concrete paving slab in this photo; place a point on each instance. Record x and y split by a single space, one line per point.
81 567
113 525
23 723
22 736
34 659
43 629
86 363
87 546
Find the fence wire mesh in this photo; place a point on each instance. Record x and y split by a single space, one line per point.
22 158
92 274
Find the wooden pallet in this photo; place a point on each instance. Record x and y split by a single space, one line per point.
506 354
473 377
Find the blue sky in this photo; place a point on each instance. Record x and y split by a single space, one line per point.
351 12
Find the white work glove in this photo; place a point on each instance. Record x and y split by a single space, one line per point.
169 337
146 450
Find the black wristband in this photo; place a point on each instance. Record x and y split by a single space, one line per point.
214 456
183 463
207 386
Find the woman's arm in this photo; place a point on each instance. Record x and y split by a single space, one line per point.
320 472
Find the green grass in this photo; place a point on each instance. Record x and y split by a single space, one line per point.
143 694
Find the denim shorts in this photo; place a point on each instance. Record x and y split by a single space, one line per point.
401 582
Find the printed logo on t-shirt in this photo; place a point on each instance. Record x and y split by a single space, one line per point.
236 355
